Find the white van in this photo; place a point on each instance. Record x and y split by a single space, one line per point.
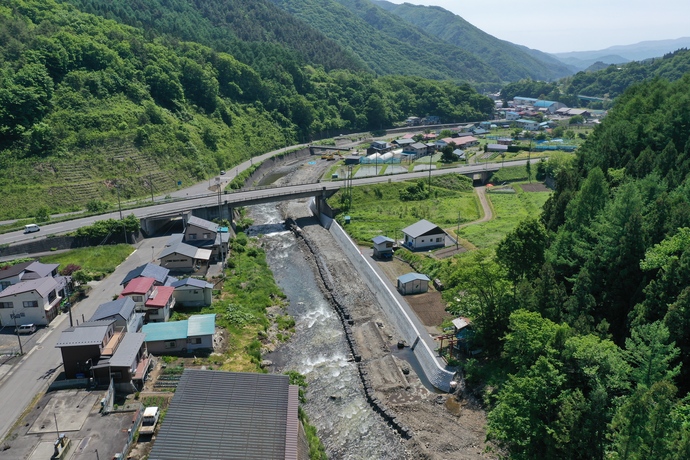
25 329
31 228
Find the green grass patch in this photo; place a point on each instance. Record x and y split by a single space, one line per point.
378 210
509 210
94 260
512 174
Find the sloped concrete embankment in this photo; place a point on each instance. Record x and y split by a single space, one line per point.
395 312
348 322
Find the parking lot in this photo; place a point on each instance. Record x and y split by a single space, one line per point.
76 414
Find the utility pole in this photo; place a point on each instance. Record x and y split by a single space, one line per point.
457 234
119 205
19 338
431 155
220 215
151 184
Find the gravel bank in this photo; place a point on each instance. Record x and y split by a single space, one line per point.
441 426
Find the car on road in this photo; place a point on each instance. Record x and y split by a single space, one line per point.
31 228
25 329
222 173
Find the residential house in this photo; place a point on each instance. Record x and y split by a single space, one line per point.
26 271
460 154
383 247
418 149
149 270
123 312
511 116
194 333
192 292
404 142
413 283
182 257
380 147
205 234
102 351
440 143
258 411
504 141
154 301
480 132
424 235
529 125
30 302
466 141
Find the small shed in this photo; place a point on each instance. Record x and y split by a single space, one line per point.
383 247
413 283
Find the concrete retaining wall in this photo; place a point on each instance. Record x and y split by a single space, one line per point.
395 312
65 242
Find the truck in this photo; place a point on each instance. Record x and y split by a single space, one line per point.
149 421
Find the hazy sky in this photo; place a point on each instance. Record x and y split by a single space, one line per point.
581 25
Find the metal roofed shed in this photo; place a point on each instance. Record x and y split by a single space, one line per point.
231 415
195 333
413 283
383 247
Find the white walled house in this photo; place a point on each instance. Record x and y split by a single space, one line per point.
423 235
30 302
192 292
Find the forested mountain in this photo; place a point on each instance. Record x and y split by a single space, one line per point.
510 61
609 82
87 103
585 315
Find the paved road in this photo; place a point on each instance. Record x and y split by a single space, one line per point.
21 382
195 197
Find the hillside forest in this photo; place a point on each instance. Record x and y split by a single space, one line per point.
88 103
583 316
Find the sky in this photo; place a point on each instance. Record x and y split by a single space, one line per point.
582 25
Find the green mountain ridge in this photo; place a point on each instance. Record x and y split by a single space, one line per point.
511 62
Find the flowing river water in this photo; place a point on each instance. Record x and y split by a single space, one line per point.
336 404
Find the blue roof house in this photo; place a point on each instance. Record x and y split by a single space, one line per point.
195 333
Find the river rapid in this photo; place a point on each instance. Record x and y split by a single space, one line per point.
336 404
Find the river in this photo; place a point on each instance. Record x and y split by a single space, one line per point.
336 405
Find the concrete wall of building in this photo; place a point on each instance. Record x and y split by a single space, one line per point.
65 242
188 297
206 343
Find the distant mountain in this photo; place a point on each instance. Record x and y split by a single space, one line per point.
512 62
620 54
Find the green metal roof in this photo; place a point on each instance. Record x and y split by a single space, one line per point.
171 330
201 325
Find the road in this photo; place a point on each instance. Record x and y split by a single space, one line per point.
32 375
199 196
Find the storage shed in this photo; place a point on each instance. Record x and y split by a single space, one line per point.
413 283
383 247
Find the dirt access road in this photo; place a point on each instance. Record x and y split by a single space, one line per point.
443 426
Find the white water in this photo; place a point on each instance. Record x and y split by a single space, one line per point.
346 424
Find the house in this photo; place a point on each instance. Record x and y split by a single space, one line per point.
378 147
466 141
460 154
205 234
413 283
440 143
233 415
30 302
182 257
123 312
32 270
383 247
480 132
102 351
418 149
424 235
149 270
529 125
504 141
192 292
154 301
404 142
497 148
511 116
194 333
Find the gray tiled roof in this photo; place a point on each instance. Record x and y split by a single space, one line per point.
148 271
14 270
226 415
82 335
420 228
202 223
42 285
122 307
127 349
179 248
192 282
39 270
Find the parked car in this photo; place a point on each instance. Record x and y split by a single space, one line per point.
25 329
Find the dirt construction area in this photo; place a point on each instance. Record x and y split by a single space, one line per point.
444 426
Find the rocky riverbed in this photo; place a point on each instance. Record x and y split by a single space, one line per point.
440 426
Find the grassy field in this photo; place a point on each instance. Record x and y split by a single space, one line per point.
99 260
378 210
509 210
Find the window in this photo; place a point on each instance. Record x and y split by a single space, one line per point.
52 296
207 236
438 240
170 344
195 292
194 340
4 285
192 236
30 304
137 298
6 305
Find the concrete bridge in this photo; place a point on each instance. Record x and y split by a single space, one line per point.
220 205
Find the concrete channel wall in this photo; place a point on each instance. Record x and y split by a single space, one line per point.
410 328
